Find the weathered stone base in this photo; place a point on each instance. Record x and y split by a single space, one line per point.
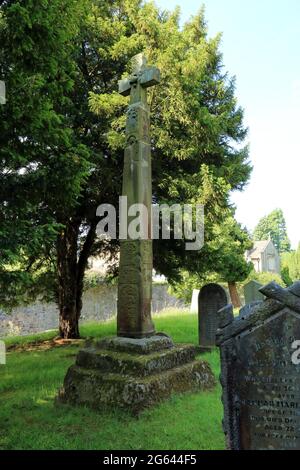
133 374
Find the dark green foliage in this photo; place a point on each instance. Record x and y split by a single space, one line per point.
285 275
62 137
274 226
223 257
230 245
42 164
291 265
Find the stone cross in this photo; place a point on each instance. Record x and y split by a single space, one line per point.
136 260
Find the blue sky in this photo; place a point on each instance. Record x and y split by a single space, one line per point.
260 45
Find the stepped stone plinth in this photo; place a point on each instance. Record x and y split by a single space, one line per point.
133 374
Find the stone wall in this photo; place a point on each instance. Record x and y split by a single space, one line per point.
99 304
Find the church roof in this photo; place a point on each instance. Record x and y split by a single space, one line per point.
258 248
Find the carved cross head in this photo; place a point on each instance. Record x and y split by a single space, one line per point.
141 75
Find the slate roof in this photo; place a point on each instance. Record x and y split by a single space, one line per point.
258 248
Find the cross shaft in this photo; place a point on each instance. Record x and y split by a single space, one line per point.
135 272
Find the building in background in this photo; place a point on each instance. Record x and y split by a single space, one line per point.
264 257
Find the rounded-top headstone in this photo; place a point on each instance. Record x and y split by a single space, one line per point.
212 298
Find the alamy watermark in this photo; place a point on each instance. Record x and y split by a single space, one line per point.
2 353
296 354
182 222
2 92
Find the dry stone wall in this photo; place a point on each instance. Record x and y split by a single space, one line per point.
99 304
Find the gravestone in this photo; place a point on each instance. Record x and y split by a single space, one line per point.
194 302
260 372
2 353
247 309
212 298
138 367
252 292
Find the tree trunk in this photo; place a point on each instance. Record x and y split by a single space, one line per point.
71 269
67 280
82 263
235 299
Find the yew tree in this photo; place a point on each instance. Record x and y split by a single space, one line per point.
62 134
273 225
230 244
221 260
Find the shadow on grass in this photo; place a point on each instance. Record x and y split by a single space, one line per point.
30 419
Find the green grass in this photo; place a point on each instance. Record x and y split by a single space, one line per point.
30 420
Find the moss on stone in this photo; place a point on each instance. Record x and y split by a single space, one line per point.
135 364
132 381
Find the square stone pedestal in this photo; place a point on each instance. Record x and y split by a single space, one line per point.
133 373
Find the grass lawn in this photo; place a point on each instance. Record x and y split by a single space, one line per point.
29 419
